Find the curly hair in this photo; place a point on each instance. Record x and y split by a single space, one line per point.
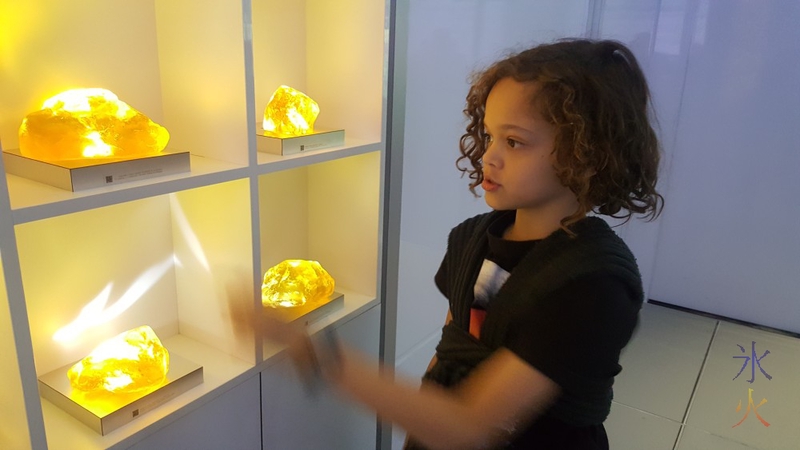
595 94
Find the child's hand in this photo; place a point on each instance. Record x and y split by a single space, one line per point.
314 357
280 331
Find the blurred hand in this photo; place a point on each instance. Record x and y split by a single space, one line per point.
280 331
316 358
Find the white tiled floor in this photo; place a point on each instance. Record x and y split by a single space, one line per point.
679 388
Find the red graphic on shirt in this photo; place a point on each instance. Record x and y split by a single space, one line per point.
476 319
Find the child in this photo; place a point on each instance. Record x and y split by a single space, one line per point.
542 296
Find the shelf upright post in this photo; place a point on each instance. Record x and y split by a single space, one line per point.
394 122
250 102
19 318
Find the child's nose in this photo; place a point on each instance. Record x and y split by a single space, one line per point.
491 156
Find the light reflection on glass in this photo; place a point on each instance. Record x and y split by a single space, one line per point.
188 233
97 313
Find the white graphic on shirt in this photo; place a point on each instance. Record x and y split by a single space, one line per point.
490 279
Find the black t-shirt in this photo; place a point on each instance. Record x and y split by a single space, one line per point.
501 258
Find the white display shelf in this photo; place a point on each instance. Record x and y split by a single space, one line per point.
326 212
355 306
31 200
182 295
272 163
166 261
220 373
306 39
198 96
205 72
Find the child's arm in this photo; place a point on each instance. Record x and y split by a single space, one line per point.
501 396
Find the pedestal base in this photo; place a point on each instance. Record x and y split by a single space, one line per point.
298 144
78 175
107 414
310 311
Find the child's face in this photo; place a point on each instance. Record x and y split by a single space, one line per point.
518 164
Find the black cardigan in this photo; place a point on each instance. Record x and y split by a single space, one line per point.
552 263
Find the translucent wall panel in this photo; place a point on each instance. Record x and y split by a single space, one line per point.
728 243
447 41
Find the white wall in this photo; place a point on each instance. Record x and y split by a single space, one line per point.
723 79
728 243
447 41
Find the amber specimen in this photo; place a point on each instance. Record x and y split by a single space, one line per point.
89 123
290 113
294 282
132 361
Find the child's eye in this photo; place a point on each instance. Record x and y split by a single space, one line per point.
511 142
487 139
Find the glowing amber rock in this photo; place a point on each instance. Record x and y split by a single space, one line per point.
130 362
294 282
89 123
290 113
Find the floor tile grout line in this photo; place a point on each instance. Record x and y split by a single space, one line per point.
696 384
648 412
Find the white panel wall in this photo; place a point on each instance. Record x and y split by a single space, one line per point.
723 80
448 40
729 234
636 24
294 418
231 421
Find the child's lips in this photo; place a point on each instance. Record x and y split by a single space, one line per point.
489 185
